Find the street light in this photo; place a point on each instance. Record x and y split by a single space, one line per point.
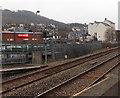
36 17
36 29
45 37
37 12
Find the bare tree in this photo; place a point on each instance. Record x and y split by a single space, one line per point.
63 31
110 34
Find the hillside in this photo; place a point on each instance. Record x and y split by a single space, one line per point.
23 16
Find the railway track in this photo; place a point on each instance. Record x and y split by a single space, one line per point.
19 82
82 80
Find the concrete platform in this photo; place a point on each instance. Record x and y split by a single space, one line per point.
17 67
107 87
7 68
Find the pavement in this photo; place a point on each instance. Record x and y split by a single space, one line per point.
16 67
107 87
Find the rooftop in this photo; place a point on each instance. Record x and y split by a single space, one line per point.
105 24
109 21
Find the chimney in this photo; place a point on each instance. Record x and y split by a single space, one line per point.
105 18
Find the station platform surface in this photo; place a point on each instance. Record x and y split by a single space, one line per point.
15 67
106 87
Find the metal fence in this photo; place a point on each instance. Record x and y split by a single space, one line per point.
74 50
21 47
20 53
14 57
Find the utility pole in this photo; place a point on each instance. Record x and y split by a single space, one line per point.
53 47
45 37
45 50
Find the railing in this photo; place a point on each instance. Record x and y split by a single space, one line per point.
23 47
14 57
57 50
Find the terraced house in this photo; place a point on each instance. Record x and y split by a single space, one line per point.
103 31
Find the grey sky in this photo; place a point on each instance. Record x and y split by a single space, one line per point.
81 11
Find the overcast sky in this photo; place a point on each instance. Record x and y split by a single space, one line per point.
68 11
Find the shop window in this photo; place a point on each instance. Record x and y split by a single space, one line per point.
26 39
34 38
10 39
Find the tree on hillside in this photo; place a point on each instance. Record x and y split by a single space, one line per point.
63 32
110 34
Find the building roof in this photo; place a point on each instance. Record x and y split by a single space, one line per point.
105 24
91 23
110 21
22 32
97 22
100 22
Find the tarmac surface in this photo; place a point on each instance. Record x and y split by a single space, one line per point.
110 86
16 67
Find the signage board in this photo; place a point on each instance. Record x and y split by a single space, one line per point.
22 34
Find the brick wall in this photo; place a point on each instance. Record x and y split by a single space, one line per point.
13 37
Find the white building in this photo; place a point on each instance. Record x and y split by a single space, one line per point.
103 31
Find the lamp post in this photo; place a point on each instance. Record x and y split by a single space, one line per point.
36 29
37 12
53 46
45 37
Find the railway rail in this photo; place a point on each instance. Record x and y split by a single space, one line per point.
24 80
82 80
